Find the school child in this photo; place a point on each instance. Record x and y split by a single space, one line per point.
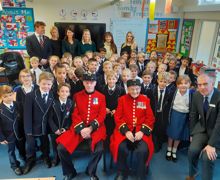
134 72
60 77
89 54
112 92
92 66
151 67
171 86
117 68
122 62
146 85
36 114
27 86
53 60
78 84
160 99
77 62
178 127
60 117
141 63
67 57
172 64
35 70
125 76
9 126
102 81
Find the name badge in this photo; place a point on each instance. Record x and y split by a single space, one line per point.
95 101
141 105
212 105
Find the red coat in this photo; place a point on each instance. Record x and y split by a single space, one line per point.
132 112
89 108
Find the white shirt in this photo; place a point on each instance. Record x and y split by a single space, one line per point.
42 93
126 87
38 36
62 102
158 91
182 71
37 72
27 90
181 102
111 88
8 105
141 80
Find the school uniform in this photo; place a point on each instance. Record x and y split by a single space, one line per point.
101 82
171 87
36 114
9 130
111 97
59 119
124 86
145 88
75 87
141 68
21 93
178 127
187 71
160 103
36 72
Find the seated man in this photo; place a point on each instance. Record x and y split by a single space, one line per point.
204 128
134 123
87 125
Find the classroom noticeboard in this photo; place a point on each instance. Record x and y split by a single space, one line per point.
186 36
120 27
15 25
162 35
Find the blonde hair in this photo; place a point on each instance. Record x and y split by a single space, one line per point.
163 76
54 28
111 74
107 63
133 43
34 59
5 89
46 76
26 71
141 54
126 70
84 31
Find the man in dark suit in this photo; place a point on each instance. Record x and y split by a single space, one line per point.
38 44
204 128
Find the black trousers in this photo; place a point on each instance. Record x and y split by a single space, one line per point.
54 145
11 154
44 147
141 153
199 141
68 166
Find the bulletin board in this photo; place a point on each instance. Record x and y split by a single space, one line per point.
186 36
15 25
216 55
13 3
162 35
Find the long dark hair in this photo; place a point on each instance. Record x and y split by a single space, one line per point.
113 46
69 28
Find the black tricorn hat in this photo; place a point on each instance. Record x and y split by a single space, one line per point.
133 82
89 77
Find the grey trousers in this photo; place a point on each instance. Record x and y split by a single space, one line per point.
199 141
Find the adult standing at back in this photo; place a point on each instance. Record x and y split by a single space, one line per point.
55 42
109 45
129 44
204 128
69 43
86 44
38 44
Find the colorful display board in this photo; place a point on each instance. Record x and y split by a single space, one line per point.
186 36
13 3
162 35
15 25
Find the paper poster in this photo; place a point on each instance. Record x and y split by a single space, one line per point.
162 36
15 25
186 36
13 3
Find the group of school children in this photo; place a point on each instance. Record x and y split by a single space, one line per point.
41 107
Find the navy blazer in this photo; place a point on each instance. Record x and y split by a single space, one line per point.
36 113
9 123
34 48
209 125
145 90
59 119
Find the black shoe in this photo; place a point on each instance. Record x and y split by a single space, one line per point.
55 162
29 165
70 176
168 157
47 162
174 158
18 171
94 177
120 176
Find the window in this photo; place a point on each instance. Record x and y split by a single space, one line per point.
209 2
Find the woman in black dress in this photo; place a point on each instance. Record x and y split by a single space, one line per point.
55 42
